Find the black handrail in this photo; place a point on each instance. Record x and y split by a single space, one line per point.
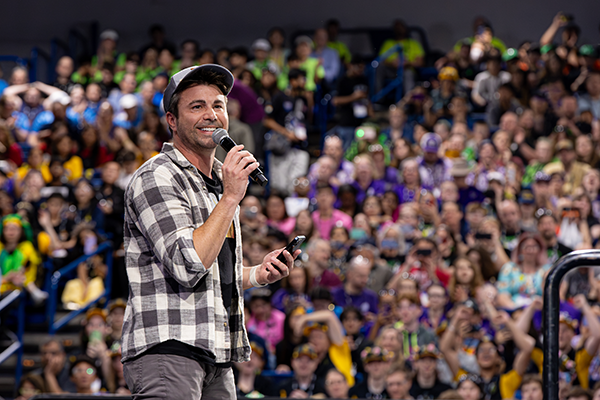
55 45
551 313
76 37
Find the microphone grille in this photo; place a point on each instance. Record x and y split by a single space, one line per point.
218 135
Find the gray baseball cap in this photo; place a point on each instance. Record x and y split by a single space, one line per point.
189 74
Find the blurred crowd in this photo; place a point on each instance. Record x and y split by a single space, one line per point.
431 221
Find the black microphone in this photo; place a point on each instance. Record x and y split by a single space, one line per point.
221 137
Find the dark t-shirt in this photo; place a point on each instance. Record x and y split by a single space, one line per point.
288 111
361 391
315 387
346 87
226 259
434 392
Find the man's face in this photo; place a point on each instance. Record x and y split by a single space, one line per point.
304 366
543 152
437 297
566 156
359 276
377 369
397 385
410 172
64 68
333 148
128 84
486 355
532 391
202 109
547 227
565 335
33 97
510 216
321 37
408 311
298 83
52 351
325 198
320 254
425 367
568 107
451 215
592 85
430 157
110 172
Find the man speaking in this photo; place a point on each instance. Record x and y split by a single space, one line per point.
184 322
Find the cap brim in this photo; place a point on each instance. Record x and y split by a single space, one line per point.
193 72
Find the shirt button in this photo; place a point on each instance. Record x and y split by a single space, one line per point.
225 324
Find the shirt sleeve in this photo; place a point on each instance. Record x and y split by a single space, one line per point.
163 215
503 282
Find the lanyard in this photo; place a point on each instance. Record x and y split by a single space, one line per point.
413 342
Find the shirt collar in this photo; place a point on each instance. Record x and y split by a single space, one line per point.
178 158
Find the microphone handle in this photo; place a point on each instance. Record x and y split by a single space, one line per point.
257 175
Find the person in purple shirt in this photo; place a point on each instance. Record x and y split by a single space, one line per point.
410 189
365 182
466 193
354 292
251 113
433 169
333 148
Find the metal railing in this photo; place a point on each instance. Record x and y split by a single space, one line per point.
551 313
58 276
36 54
17 338
397 83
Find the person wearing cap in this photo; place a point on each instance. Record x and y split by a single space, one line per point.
376 362
426 384
84 374
249 381
130 116
433 169
261 49
315 72
305 383
325 334
591 100
448 77
185 314
107 51
496 384
574 363
527 210
574 171
466 193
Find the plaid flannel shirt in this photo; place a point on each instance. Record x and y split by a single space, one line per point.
172 294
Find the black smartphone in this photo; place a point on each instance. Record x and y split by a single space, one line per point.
485 236
291 248
423 252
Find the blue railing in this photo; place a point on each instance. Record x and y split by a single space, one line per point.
396 83
16 338
57 277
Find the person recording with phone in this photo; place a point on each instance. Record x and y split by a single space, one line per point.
184 322
424 264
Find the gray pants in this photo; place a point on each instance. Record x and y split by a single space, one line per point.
167 376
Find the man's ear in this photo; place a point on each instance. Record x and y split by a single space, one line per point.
171 121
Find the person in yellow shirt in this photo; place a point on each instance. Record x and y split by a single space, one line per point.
62 147
413 57
496 383
574 363
35 160
325 334
19 261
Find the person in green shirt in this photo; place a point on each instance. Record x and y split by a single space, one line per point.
543 156
261 48
301 59
413 57
333 29
483 34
